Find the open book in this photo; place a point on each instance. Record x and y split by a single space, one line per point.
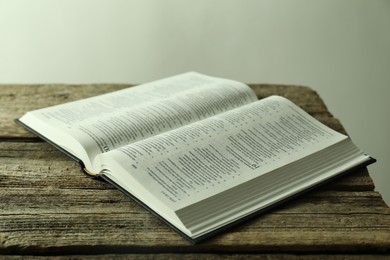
203 153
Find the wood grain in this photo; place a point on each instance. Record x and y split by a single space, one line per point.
48 207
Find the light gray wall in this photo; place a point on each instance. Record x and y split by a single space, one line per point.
339 48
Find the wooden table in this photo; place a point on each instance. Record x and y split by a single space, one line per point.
48 207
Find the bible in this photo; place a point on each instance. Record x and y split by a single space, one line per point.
200 152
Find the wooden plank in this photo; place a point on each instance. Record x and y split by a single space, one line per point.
24 200
48 207
19 99
343 221
38 164
66 231
88 201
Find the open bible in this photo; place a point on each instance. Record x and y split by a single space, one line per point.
200 152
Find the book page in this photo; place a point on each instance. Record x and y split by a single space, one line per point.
109 121
186 165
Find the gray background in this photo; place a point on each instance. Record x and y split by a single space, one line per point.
339 48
